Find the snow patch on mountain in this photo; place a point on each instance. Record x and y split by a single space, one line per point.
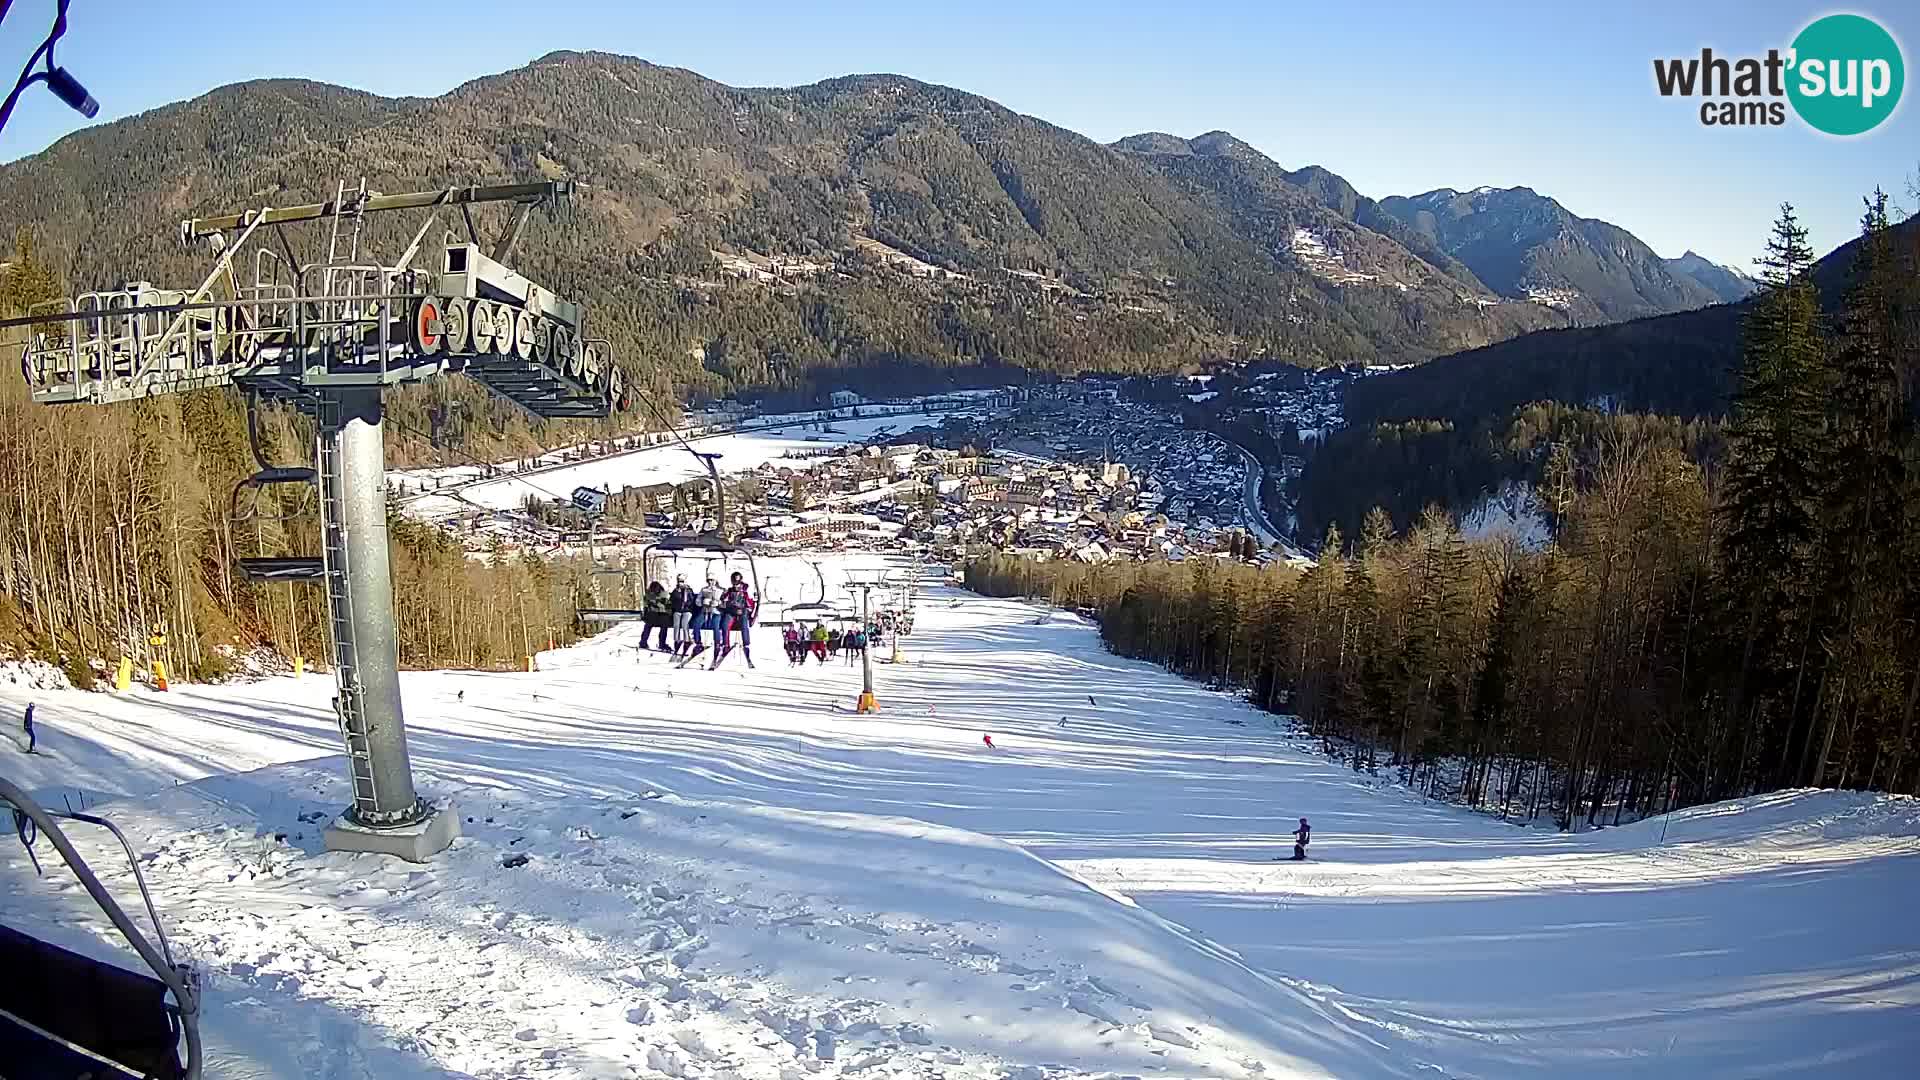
1514 510
1319 259
1552 296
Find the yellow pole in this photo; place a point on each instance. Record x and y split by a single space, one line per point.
123 677
158 642
299 666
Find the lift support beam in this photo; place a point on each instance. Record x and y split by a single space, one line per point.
552 190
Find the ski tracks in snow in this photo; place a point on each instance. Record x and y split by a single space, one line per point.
633 942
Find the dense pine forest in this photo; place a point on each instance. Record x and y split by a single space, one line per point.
1720 610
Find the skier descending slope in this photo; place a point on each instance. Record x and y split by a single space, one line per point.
1300 837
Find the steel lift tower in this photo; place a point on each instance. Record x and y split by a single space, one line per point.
328 334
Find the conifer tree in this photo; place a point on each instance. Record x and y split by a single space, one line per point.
1864 478
1772 490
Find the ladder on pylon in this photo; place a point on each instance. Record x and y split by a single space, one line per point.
345 206
333 554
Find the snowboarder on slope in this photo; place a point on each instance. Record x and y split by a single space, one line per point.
1300 837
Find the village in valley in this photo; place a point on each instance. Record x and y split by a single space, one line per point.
1094 469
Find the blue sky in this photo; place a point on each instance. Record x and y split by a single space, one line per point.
1398 98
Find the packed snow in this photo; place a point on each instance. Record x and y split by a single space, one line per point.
729 873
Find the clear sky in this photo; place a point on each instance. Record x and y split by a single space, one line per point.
1397 97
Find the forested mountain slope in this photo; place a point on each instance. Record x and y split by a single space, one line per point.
1446 432
864 229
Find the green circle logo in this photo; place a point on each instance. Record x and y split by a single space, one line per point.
1847 74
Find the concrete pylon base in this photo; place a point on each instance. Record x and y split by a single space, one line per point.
417 842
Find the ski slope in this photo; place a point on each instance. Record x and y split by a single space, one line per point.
730 874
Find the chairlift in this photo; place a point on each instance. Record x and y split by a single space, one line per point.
241 509
67 1014
596 570
815 609
707 547
662 559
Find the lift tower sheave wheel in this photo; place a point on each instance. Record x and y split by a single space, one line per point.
327 334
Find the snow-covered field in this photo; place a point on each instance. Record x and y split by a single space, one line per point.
731 874
669 463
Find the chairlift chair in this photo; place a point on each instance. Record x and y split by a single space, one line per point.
710 546
661 559
65 1014
612 615
815 609
241 510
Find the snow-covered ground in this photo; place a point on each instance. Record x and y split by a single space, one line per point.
731 874
668 463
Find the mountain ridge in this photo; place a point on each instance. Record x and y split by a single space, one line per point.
936 231
1522 243
1729 283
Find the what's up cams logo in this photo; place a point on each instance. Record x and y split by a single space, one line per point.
1842 75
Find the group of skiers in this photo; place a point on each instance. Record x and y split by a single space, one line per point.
682 616
819 642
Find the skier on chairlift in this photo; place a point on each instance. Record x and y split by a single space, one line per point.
682 602
658 609
706 616
736 611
